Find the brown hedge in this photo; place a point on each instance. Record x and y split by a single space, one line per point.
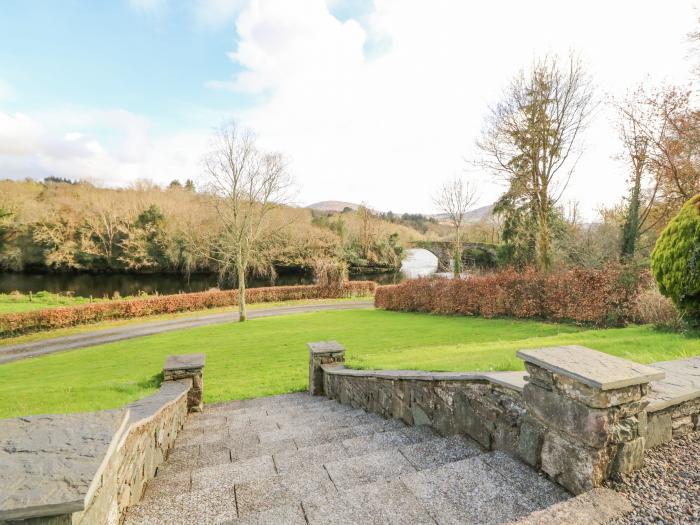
51 318
584 296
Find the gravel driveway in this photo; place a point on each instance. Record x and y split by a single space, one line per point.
667 490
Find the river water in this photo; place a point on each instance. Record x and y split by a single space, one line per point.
418 263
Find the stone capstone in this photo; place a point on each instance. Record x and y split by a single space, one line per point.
188 366
50 464
595 369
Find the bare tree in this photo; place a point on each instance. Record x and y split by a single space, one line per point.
660 131
530 139
636 149
368 230
247 184
455 198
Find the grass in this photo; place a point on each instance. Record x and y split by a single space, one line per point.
17 302
269 356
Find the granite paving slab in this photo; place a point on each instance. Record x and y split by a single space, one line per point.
378 425
290 460
228 475
308 439
381 502
533 485
207 458
390 439
262 449
168 484
438 452
291 514
262 494
467 491
207 506
387 464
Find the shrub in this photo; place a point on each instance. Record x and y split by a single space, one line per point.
651 307
330 273
675 260
48 319
584 296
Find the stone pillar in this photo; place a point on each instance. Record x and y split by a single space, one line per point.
188 366
322 353
586 415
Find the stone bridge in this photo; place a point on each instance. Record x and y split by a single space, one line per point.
444 251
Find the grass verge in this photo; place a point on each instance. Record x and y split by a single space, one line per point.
104 325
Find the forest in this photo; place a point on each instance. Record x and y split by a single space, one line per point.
60 225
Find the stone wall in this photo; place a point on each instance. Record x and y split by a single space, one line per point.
670 422
580 417
451 403
132 446
154 425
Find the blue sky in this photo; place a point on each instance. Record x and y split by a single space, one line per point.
370 100
109 54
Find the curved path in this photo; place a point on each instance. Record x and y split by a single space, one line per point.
69 342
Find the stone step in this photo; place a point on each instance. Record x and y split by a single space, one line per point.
438 452
270 406
385 502
246 444
307 436
376 441
376 466
304 460
484 489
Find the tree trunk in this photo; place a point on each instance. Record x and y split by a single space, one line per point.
242 312
543 241
630 230
457 263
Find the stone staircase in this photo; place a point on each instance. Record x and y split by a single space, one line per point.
297 459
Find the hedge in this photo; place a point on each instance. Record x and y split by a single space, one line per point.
583 296
51 318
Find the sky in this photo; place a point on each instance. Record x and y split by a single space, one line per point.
375 101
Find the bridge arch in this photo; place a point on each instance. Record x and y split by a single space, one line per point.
473 253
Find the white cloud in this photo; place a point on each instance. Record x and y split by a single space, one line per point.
217 13
112 147
19 134
388 128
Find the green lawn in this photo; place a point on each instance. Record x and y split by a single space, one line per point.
269 356
17 302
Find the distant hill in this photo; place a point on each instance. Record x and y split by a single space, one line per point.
336 206
472 216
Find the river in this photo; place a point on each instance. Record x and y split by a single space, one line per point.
418 262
